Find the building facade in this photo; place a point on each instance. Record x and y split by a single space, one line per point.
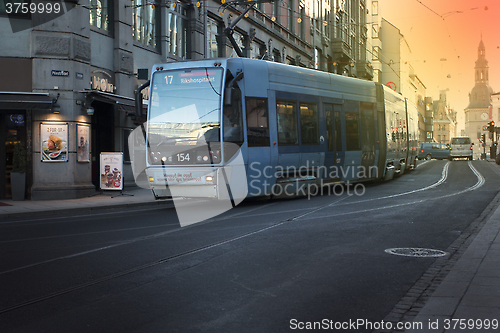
74 76
444 120
479 112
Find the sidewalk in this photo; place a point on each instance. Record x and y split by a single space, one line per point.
135 196
469 296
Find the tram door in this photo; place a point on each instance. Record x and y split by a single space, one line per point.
335 154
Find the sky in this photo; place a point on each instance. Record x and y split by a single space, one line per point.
444 36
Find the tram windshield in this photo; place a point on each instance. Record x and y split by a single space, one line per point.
185 107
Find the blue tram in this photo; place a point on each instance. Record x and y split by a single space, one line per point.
241 127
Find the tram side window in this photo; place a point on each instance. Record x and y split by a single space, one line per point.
286 112
309 124
257 122
352 131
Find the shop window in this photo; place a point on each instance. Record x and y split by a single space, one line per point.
126 152
145 23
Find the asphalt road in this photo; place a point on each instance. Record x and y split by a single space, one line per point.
264 266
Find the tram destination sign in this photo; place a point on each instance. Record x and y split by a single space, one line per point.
191 77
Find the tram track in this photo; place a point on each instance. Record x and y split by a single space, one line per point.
299 216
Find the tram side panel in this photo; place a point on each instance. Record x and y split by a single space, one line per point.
395 133
412 120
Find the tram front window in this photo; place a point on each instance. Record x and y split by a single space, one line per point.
185 107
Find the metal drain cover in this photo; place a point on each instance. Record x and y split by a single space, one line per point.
416 252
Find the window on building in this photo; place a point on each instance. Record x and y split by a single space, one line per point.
326 23
100 14
376 50
286 112
178 28
302 24
145 23
276 56
256 50
276 11
317 12
374 7
374 30
240 40
291 16
213 47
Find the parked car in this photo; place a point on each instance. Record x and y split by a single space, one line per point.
436 150
460 147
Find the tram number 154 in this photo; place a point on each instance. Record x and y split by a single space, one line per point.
182 157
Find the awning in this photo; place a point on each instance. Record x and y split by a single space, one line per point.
24 100
123 103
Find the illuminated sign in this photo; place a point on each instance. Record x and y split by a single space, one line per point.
102 80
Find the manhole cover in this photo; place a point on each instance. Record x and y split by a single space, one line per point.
416 252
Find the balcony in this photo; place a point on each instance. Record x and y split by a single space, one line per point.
341 49
364 70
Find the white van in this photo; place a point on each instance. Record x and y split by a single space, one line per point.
460 147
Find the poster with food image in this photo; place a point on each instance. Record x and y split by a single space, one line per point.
54 142
111 168
82 143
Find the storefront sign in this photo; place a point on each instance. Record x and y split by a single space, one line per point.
102 80
83 143
59 73
111 170
54 142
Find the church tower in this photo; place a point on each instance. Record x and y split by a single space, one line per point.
478 113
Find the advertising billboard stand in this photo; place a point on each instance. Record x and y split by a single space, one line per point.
111 173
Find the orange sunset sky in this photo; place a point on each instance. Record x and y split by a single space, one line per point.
443 36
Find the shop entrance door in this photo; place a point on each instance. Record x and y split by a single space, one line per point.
102 136
12 131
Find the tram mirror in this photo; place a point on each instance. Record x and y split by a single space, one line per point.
228 96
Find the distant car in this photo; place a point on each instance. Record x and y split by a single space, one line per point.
430 150
460 147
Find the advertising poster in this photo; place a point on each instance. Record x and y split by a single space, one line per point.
54 142
111 168
83 143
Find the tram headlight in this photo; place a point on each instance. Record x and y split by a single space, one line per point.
199 158
209 178
205 158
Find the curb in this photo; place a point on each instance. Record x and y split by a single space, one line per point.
58 212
